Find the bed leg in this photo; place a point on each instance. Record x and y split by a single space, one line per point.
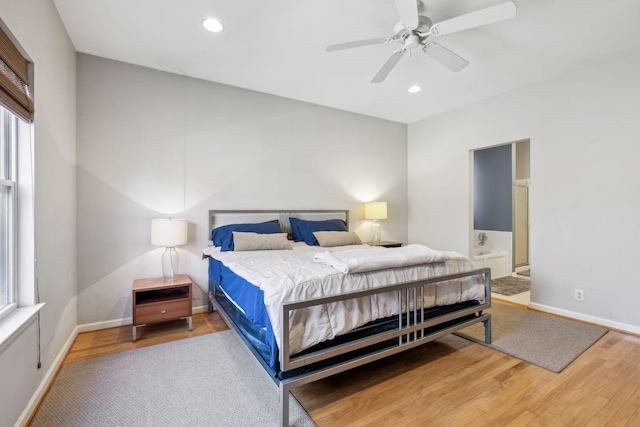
211 307
284 404
487 330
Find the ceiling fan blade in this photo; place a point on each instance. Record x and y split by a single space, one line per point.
387 67
445 56
500 12
408 12
358 43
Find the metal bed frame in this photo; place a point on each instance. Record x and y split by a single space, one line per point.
411 330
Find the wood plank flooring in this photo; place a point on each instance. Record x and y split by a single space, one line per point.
449 382
115 340
446 384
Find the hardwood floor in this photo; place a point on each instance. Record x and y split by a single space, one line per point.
450 382
115 340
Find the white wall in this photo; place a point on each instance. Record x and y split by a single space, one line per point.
38 28
585 193
152 144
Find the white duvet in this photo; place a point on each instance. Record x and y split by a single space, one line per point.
369 258
292 275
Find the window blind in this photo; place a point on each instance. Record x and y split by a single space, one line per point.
14 80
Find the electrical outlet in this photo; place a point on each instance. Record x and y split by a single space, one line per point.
579 294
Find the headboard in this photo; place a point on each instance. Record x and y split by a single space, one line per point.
218 218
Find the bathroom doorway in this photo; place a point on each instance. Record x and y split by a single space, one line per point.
500 189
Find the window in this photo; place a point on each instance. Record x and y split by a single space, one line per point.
8 218
16 176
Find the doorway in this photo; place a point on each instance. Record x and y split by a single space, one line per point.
500 190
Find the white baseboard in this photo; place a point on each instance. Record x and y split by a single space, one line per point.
623 327
125 321
46 380
200 309
104 325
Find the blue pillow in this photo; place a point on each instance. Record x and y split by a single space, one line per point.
223 236
302 230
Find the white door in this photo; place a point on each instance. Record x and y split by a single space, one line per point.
522 223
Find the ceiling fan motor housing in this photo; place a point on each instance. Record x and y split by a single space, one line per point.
400 31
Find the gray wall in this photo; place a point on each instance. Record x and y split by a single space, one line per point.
585 183
492 200
37 26
153 144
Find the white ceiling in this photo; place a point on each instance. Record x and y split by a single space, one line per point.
278 46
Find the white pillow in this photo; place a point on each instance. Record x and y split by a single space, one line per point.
259 242
337 238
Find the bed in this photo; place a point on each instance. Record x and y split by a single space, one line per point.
341 313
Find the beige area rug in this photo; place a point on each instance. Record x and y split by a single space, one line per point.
210 380
544 340
510 285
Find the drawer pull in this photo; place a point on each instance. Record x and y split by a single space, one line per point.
163 312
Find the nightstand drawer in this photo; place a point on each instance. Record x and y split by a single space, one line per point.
159 312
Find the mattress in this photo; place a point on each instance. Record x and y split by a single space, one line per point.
247 305
280 276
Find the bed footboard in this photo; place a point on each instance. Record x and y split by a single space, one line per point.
413 329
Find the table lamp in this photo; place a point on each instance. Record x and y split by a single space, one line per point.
375 211
169 233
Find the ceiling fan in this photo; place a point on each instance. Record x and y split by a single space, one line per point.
417 31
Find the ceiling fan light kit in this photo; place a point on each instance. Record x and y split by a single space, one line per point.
415 31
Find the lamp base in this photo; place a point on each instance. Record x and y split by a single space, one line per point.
170 261
375 232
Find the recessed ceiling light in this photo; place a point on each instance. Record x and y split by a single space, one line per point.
212 25
414 89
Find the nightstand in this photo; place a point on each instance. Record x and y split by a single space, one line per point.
155 300
385 244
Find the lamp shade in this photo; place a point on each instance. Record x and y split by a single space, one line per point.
168 232
375 210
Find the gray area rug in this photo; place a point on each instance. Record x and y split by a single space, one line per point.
210 380
510 285
544 340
